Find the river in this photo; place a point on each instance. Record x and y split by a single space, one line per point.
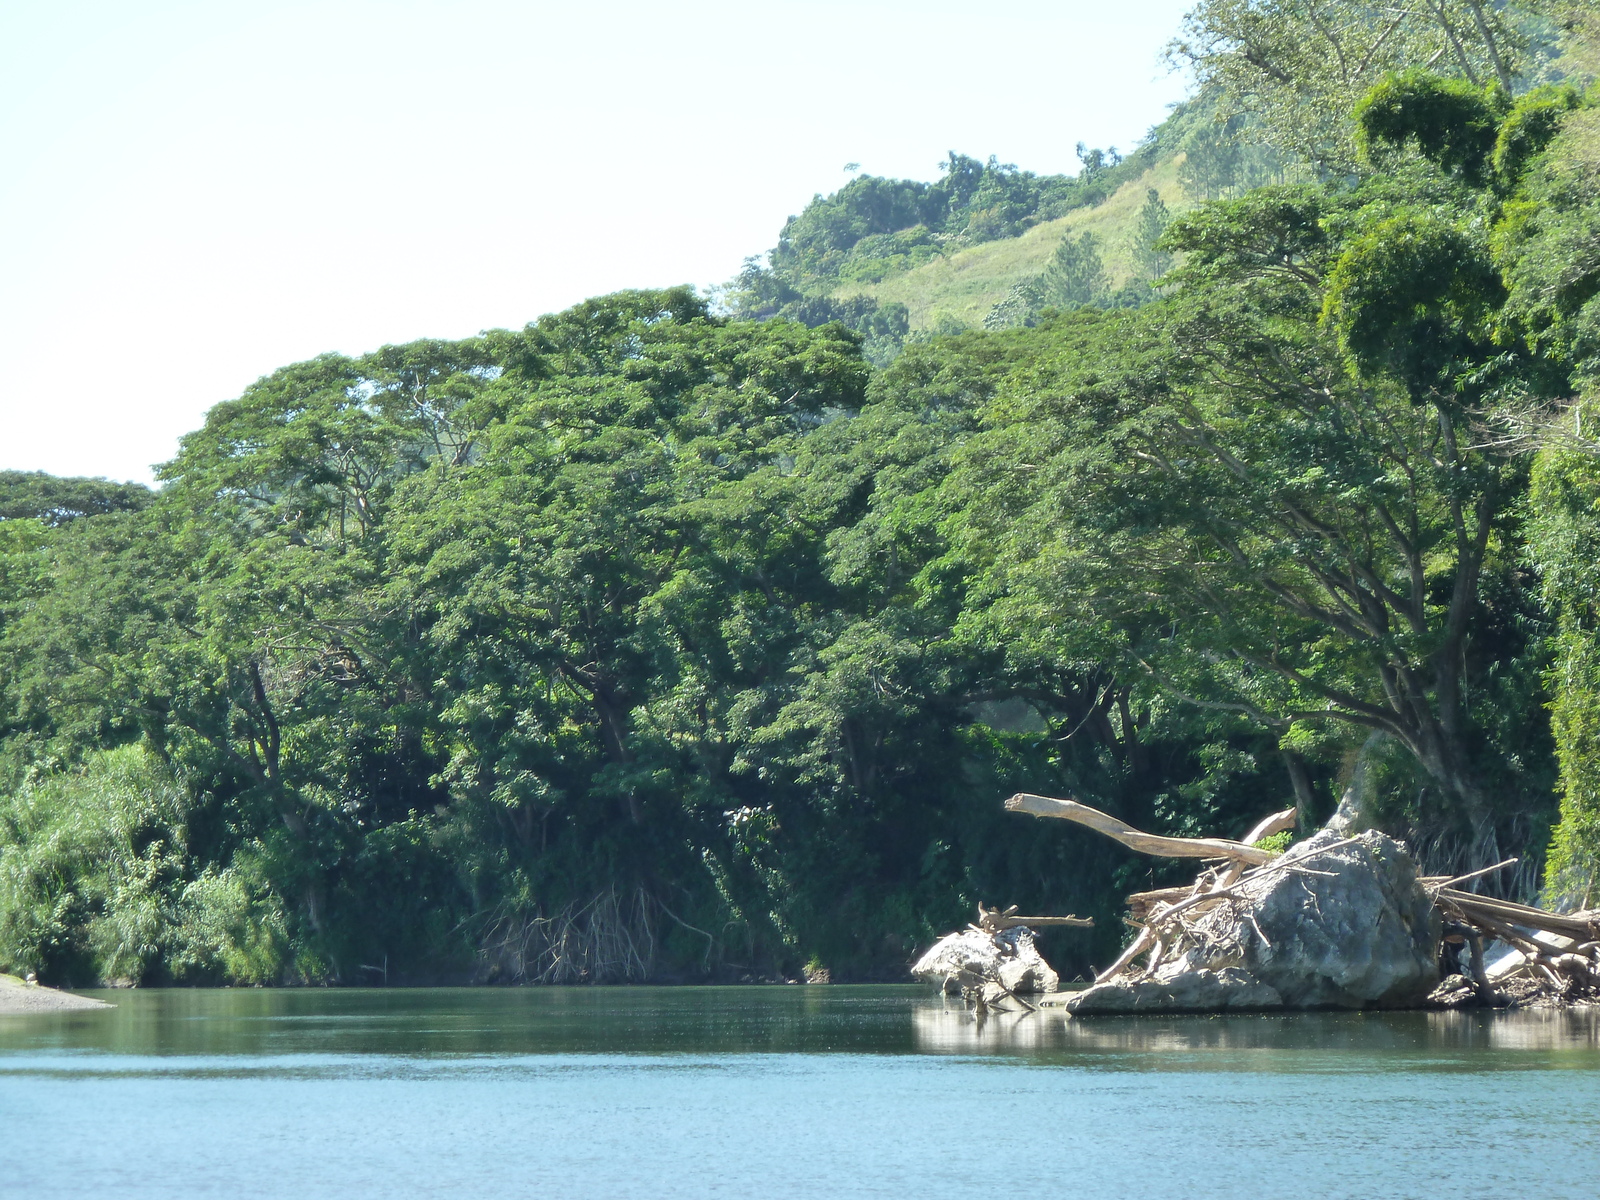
779 1092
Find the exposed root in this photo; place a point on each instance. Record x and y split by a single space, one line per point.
606 939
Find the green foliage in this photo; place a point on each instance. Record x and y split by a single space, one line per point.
878 256
1150 257
1296 68
874 227
1223 154
1564 541
98 880
1254 530
1451 122
1414 294
55 501
1273 232
1547 246
1074 278
1530 126
652 641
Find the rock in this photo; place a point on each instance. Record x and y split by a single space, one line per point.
1351 929
1454 991
1187 991
972 957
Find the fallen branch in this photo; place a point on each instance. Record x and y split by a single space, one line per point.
1580 927
1134 839
1439 881
1140 902
1135 948
1471 937
992 920
1278 822
1146 899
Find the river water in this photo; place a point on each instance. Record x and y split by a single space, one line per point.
779 1092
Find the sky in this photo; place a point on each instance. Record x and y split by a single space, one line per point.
193 194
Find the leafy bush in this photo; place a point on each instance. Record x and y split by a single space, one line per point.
96 883
1277 843
91 868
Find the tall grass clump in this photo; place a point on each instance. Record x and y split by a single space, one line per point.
98 884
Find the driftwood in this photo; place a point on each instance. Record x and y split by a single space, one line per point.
1458 933
1144 843
1278 822
1558 954
1579 927
1144 940
992 920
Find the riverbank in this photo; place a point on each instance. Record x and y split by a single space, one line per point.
18 997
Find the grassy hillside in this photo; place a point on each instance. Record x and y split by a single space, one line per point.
965 285
989 244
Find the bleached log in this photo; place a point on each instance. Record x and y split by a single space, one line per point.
1278 822
1580 927
1140 903
992 920
1438 881
1134 839
1069 922
1135 948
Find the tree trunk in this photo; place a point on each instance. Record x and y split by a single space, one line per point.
1305 799
1354 813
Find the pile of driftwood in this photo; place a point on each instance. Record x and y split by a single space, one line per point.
1513 953
1549 957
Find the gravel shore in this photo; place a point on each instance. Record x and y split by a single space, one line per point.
19 997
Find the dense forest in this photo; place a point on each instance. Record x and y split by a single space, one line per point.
674 637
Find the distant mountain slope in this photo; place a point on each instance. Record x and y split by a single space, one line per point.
989 244
964 287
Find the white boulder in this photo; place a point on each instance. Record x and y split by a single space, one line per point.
972 958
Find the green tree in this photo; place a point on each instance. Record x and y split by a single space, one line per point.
1547 248
1211 490
1150 257
1298 67
55 501
1076 274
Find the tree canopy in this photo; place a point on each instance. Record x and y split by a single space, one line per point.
661 640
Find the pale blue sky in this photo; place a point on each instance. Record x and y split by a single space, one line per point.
192 194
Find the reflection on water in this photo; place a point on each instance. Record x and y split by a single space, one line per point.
1532 1029
731 1020
478 1021
770 1092
948 1028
